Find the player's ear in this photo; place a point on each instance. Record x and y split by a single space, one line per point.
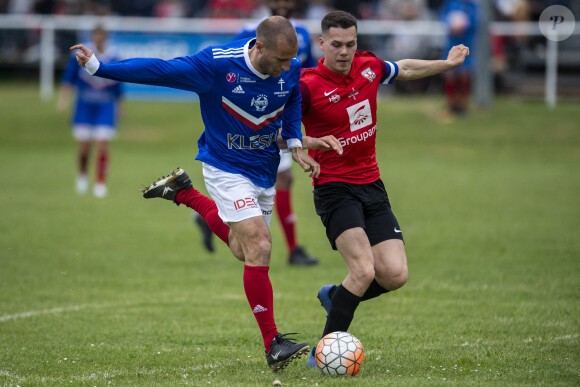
259 46
321 43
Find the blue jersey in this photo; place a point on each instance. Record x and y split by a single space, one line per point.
304 43
93 94
241 108
466 11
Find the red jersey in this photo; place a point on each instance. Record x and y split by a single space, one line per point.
345 106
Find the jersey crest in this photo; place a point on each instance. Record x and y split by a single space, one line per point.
260 102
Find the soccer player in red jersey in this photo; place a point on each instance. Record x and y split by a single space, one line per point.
339 98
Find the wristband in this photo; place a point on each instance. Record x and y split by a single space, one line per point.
92 65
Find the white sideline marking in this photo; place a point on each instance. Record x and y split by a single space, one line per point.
33 313
74 308
8 374
112 374
566 337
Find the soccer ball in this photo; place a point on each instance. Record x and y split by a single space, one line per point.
339 353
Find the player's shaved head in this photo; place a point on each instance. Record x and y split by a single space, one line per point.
276 28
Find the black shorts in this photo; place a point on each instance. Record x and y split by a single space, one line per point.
342 206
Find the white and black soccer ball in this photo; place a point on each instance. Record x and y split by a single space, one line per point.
339 353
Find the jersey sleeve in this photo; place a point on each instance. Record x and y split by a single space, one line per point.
390 72
190 73
291 117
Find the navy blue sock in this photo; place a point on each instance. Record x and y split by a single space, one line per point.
342 309
373 291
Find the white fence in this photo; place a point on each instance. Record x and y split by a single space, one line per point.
49 24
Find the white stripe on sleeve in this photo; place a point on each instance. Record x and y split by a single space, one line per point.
391 66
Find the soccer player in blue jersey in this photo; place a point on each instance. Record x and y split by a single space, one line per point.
95 114
246 89
297 254
460 18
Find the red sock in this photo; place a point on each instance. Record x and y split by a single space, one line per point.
102 165
449 87
205 207
287 218
465 84
261 298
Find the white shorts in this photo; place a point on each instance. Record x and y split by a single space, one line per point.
237 197
98 133
285 161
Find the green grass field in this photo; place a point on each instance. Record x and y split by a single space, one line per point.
119 291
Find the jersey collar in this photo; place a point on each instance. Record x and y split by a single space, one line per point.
247 46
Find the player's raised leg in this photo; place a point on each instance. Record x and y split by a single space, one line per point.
177 188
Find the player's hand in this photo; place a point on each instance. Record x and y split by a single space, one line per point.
322 143
457 55
282 144
83 55
306 162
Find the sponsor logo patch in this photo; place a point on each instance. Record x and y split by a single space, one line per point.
238 141
360 115
231 77
242 204
334 98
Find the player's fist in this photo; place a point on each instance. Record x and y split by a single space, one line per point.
457 55
83 55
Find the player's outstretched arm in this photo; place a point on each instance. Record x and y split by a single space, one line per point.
322 143
415 68
191 73
318 143
306 162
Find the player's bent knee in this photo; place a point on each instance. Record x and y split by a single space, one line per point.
398 279
393 278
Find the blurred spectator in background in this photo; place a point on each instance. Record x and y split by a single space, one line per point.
231 9
95 115
170 8
133 7
460 18
317 9
196 8
360 9
506 49
96 8
403 44
20 6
